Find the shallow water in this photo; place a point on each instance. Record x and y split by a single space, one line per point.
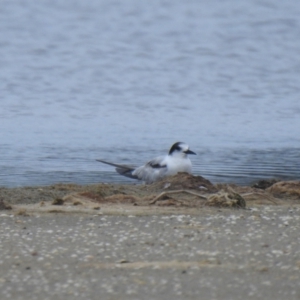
123 81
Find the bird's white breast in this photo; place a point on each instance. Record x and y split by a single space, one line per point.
178 164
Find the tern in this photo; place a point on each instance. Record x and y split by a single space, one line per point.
175 161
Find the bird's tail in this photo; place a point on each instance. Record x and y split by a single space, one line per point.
121 169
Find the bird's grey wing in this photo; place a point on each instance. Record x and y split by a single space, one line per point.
121 169
157 163
153 170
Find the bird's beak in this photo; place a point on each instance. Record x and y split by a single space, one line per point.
189 152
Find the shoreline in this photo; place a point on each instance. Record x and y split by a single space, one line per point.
182 192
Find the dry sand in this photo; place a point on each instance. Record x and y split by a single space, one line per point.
109 241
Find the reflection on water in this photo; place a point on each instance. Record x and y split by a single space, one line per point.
124 80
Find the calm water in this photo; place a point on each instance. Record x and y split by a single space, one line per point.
124 80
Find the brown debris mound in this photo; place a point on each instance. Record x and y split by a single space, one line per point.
285 189
255 196
224 199
184 181
181 192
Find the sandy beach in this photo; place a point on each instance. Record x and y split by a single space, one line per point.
111 241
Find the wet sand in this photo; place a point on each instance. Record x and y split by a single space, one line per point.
127 249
